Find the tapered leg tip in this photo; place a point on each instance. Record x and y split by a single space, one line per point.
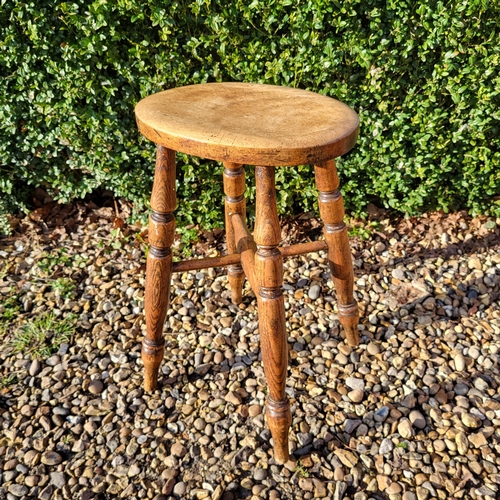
150 385
236 280
152 354
281 455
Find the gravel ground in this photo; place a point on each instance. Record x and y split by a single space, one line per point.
412 413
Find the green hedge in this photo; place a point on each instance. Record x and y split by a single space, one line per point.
424 77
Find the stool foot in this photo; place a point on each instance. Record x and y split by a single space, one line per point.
279 420
339 254
234 189
349 319
236 278
152 355
159 264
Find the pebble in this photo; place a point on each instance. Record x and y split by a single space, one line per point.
18 490
351 425
459 362
260 474
356 396
470 420
386 446
57 479
51 458
254 410
373 349
53 360
314 292
348 458
417 419
405 428
462 443
381 414
178 450
179 489
96 387
355 383
35 367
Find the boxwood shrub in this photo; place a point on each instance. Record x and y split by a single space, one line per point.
423 76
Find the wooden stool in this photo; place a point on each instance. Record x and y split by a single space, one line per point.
266 126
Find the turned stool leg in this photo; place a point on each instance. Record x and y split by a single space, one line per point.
331 209
234 189
272 327
159 264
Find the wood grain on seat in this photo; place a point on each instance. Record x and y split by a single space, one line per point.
249 123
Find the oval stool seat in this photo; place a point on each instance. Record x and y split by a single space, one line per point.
249 123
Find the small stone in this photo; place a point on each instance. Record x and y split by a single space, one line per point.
474 352
459 362
134 470
51 458
260 474
439 445
381 414
319 489
31 458
355 383
417 419
306 484
18 490
57 479
481 384
398 362
246 483
393 489
340 489
475 263
314 292
28 410
405 428
205 340
461 389
53 360
31 481
96 387
477 439
422 493
462 443
46 493
356 396
386 446
79 446
399 274
341 359
348 458
470 420
373 349
178 450
254 410
35 368
409 495
233 398
351 424
383 482
379 247
179 489
132 448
